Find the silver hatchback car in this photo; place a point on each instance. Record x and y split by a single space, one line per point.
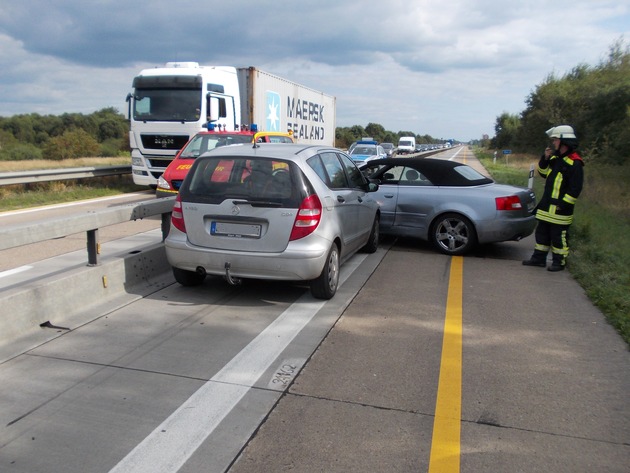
272 211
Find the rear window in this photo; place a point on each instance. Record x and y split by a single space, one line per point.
469 173
215 179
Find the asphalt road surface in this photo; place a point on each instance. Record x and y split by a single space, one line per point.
420 363
262 377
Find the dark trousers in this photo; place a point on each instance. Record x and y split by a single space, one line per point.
550 236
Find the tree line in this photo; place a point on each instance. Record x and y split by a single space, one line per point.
106 133
595 100
345 136
67 136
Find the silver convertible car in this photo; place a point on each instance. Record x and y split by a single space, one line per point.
448 203
272 211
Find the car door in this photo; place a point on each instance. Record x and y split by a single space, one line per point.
416 199
406 198
387 195
365 202
346 199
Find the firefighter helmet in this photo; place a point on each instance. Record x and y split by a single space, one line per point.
561 131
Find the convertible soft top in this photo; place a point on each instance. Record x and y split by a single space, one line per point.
439 171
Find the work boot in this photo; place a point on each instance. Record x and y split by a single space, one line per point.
555 267
534 262
539 258
557 263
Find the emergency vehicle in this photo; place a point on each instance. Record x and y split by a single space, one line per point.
172 178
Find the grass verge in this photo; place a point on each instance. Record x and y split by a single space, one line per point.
48 193
24 196
40 164
600 237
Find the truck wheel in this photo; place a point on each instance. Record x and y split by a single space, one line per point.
325 286
188 278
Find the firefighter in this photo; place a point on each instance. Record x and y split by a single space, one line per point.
561 167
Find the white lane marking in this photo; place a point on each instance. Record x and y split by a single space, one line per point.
172 443
456 153
11 272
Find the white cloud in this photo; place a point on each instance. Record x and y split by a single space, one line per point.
433 67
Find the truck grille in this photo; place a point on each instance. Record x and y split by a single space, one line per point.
159 161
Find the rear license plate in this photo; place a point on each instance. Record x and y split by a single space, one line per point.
235 230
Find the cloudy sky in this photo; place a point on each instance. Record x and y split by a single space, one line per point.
447 68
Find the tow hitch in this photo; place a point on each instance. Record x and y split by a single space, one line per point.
228 277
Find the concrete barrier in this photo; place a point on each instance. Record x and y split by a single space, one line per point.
46 308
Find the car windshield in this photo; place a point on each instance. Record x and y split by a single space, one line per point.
369 150
274 139
202 143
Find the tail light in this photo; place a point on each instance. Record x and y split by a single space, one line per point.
177 216
308 217
509 203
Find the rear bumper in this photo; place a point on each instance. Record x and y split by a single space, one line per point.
505 229
298 261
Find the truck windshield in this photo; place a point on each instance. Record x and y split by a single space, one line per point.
168 105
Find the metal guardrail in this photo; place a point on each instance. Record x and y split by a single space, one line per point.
13 236
62 174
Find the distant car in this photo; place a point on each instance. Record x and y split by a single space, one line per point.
406 145
449 204
365 151
173 176
272 211
389 149
273 137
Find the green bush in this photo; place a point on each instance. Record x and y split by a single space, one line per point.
21 152
71 145
111 147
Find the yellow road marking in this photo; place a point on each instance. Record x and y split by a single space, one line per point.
445 445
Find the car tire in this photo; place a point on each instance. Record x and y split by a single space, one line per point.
188 278
372 244
453 234
325 286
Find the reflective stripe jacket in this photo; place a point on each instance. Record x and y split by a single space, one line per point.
564 179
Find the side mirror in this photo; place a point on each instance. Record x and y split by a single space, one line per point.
372 186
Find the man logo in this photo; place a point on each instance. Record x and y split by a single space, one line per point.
273 111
